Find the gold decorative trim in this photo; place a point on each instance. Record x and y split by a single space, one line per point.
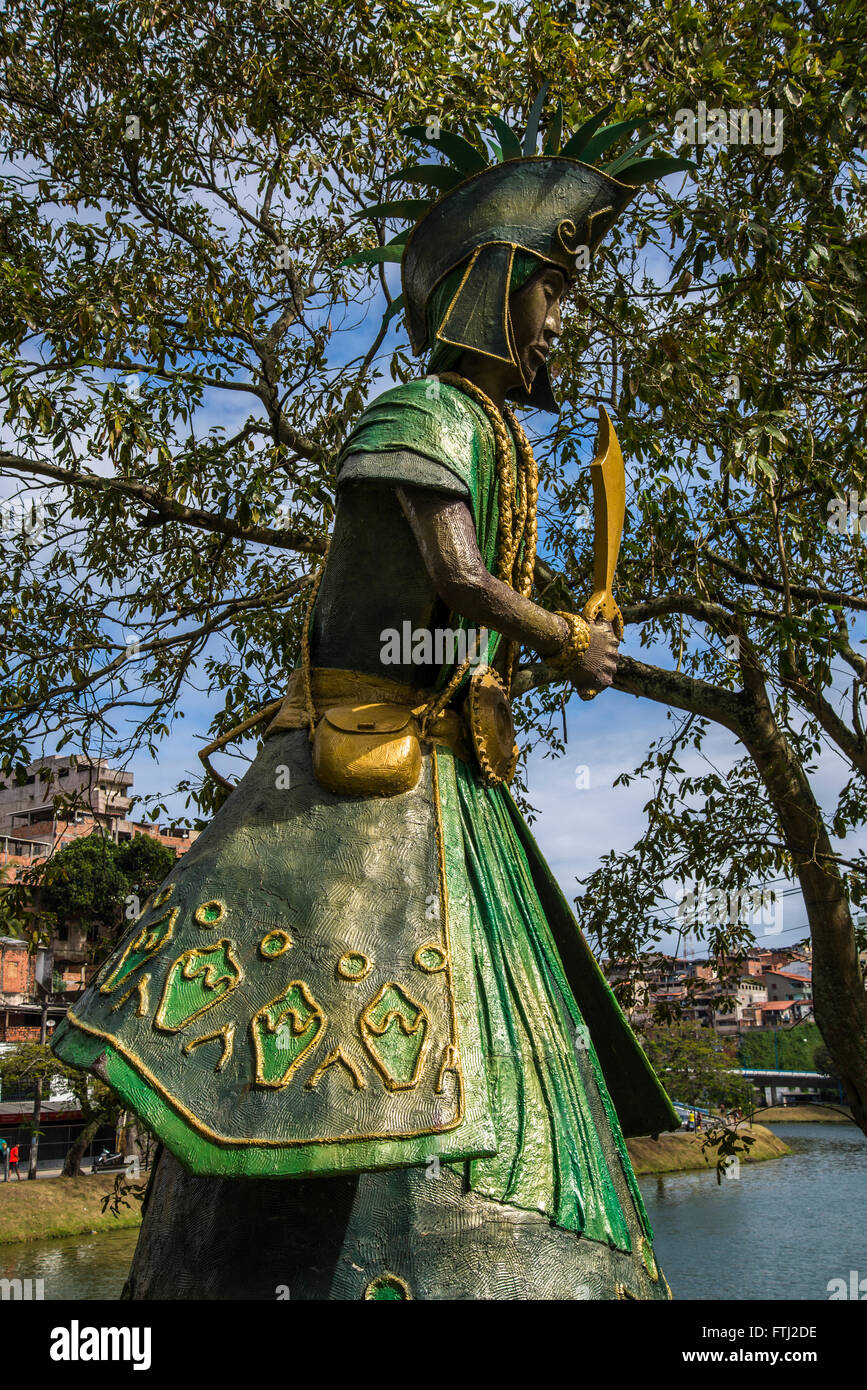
623 1292
507 334
450 1062
229 1141
566 232
478 173
430 969
274 936
387 1281
591 218
227 1033
141 989
346 974
444 906
365 1026
338 1055
199 914
190 957
261 1017
145 940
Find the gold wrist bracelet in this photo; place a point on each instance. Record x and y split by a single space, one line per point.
574 646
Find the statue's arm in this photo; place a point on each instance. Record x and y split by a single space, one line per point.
446 536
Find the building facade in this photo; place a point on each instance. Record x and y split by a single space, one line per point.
63 798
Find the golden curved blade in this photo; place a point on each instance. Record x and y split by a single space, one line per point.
608 477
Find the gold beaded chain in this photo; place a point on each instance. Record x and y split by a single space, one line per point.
517 514
517 502
305 646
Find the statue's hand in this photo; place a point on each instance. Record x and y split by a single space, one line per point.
599 662
588 654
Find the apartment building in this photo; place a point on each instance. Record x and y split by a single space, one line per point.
63 798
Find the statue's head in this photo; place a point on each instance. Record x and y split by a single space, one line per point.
533 290
498 230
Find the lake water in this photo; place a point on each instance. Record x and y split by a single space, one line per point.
782 1230
76 1267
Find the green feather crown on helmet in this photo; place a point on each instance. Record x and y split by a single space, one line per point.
554 205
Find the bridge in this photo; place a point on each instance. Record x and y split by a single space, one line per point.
771 1080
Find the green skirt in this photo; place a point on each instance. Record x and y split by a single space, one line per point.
338 985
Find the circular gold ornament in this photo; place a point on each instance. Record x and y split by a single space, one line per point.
388 1287
275 944
210 914
431 958
353 965
492 727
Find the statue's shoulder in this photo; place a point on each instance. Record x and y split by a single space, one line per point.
424 415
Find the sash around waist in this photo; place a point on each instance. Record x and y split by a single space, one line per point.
331 686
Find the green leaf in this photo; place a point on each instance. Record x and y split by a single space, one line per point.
401 207
531 137
436 175
608 136
648 170
375 256
462 154
630 154
555 131
508 139
393 309
577 142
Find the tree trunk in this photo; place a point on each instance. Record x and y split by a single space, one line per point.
72 1162
34 1136
839 998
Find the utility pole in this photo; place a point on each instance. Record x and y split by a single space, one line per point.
37 1102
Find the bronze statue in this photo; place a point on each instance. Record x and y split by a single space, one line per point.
359 1014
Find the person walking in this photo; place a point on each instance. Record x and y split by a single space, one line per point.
13 1161
4 1155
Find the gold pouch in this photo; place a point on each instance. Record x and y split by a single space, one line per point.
367 750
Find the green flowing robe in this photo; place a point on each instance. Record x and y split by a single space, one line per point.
330 984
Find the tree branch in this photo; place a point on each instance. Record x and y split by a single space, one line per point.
166 508
802 591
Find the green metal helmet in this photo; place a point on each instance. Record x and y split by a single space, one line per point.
490 220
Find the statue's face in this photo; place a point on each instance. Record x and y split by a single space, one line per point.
535 314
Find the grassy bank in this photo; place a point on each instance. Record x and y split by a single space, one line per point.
55 1207
678 1152
816 1114
59 1207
